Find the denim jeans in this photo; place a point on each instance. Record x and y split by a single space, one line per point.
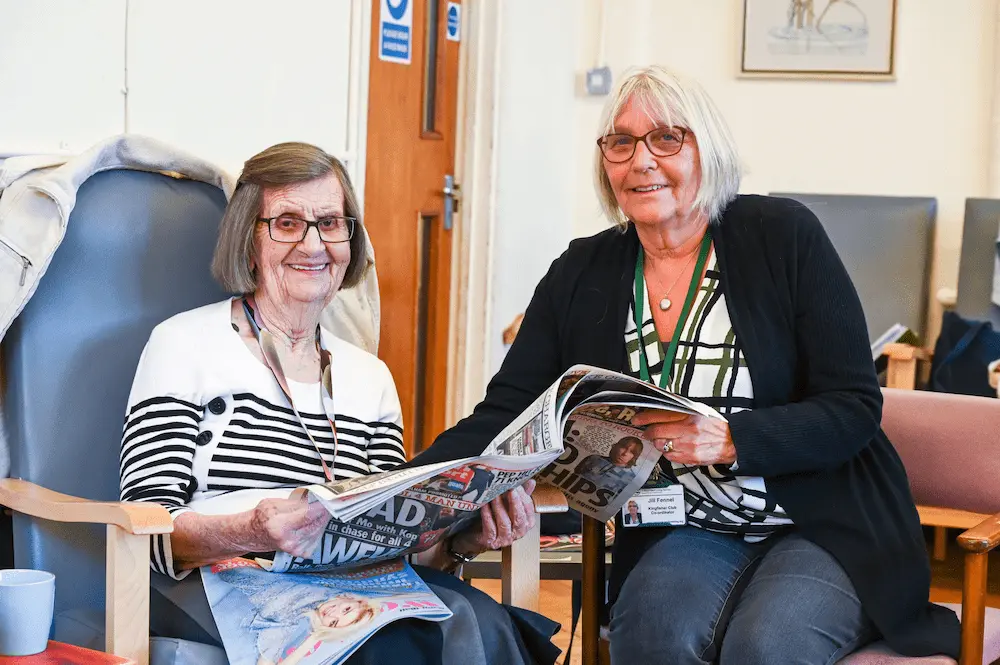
702 597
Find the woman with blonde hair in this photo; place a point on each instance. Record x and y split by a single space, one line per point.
332 619
802 543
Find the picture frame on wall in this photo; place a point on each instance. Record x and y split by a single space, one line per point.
817 39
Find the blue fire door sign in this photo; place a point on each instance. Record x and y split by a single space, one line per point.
395 35
454 21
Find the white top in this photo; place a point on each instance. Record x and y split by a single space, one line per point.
206 418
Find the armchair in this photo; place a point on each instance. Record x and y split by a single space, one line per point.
972 298
137 250
940 439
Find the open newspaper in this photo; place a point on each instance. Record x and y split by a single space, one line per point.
578 436
311 618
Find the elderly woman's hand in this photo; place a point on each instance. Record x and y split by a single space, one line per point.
503 520
288 525
692 440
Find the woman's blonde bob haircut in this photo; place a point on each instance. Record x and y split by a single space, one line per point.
675 101
279 166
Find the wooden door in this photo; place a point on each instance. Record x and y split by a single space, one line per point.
412 111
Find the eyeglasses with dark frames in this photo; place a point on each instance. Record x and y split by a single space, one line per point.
292 229
661 141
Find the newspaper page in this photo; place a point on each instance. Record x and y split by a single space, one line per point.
535 431
533 438
605 459
310 619
417 517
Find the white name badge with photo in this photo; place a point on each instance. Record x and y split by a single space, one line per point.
655 506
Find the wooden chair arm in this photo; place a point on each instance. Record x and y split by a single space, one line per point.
977 543
983 537
548 499
898 351
901 371
510 332
947 297
139 518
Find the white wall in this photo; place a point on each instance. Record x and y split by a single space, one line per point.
61 74
535 188
227 84
222 79
926 134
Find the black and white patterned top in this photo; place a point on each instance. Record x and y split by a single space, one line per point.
208 429
710 368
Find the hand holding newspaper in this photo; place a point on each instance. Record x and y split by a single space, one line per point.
576 436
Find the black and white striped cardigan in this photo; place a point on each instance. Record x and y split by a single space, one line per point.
205 418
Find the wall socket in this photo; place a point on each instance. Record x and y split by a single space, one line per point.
598 81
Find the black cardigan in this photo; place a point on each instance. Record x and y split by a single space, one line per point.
814 432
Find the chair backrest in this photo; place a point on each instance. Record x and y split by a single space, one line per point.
979 250
885 243
950 446
137 251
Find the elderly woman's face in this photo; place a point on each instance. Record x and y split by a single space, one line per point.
651 189
311 270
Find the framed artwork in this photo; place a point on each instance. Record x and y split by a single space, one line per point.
846 39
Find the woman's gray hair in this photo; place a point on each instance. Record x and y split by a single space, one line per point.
279 166
679 102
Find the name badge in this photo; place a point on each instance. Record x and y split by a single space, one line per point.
655 506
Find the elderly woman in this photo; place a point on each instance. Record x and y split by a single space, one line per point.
227 412
802 542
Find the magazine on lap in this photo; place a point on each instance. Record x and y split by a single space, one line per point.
311 618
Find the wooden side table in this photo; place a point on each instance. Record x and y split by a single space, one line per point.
58 653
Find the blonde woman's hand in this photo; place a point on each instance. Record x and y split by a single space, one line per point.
685 439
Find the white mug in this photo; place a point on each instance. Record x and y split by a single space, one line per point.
27 598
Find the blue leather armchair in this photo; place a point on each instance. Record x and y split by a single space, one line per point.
137 250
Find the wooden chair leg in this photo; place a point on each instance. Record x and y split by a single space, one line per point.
593 588
973 608
901 373
940 543
127 595
520 570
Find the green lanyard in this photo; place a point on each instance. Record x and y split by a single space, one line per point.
640 298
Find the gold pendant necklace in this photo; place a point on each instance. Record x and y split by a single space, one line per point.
665 301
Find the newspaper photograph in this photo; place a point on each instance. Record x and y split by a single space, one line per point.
310 619
605 459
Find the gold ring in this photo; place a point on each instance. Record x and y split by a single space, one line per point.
669 447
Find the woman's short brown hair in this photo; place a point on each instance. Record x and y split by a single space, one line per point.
279 166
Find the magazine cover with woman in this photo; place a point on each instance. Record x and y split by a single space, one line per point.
269 618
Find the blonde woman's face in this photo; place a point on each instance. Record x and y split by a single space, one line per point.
651 189
341 612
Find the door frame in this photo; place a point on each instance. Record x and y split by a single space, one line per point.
476 169
470 318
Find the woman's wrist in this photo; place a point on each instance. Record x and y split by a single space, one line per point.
464 543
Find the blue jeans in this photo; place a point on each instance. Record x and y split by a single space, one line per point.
702 597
